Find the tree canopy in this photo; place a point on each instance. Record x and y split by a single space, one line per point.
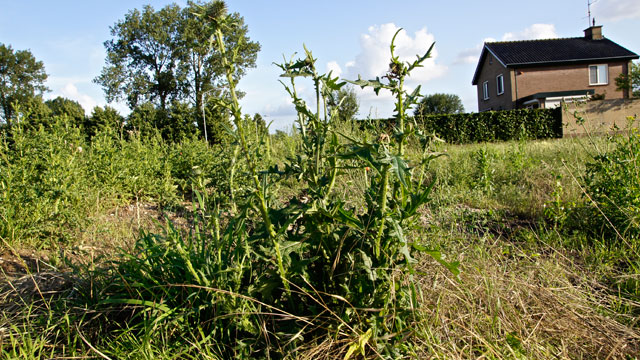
345 101
66 107
165 56
439 104
22 78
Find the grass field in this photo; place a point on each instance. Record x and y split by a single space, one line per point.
536 281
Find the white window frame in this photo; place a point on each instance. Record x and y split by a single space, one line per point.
499 84
485 90
598 68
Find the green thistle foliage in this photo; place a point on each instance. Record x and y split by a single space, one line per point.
279 274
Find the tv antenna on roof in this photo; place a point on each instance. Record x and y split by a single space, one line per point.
589 3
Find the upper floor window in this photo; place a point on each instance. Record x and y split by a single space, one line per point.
598 74
500 84
485 90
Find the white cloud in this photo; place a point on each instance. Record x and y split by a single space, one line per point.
533 32
373 59
470 56
70 91
615 10
283 108
334 68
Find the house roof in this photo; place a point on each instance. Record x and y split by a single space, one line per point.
553 52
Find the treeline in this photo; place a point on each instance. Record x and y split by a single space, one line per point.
175 123
160 62
57 176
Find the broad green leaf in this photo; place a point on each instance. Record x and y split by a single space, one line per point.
400 169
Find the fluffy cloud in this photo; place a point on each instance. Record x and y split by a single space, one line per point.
334 68
70 91
533 32
470 56
373 59
615 10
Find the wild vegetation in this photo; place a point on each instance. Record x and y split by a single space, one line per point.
331 241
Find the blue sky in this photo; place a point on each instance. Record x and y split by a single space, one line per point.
349 37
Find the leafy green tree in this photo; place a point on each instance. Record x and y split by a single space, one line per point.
173 124
165 56
178 122
630 82
144 120
62 107
345 101
22 78
143 57
103 118
439 104
218 122
202 64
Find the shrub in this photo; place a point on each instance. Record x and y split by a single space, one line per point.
52 179
494 125
43 188
612 184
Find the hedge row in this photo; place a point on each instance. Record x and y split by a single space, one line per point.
494 125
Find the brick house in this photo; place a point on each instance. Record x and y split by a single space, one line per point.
542 73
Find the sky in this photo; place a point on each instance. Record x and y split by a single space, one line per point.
348 37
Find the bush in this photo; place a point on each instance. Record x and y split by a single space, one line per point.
43 182
612 184
494 125
52 180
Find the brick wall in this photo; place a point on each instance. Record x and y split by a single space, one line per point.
533 80
491 68
600 116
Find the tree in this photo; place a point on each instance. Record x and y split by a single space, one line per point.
165 56
66 107
439 104
204 73
22 78
103 118
345 101
630 82
143 58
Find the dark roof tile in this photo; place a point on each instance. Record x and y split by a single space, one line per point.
557 51
553 52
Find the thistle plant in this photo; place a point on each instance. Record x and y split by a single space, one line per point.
285 274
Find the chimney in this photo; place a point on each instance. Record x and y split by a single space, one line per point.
593 33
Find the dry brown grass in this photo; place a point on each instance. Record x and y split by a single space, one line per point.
514 303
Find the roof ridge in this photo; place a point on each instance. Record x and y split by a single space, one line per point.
533 40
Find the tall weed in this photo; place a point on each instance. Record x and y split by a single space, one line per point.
277 275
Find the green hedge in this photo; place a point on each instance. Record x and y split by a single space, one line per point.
494 125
